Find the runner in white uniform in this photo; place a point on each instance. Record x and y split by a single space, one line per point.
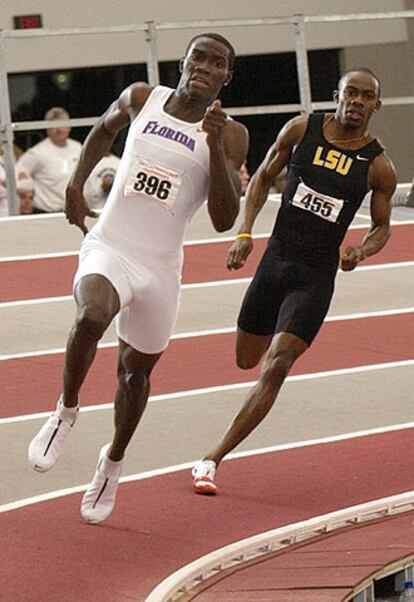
161 181
181 150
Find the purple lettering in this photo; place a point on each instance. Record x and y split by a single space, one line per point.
153 127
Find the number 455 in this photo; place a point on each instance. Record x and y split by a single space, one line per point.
317 205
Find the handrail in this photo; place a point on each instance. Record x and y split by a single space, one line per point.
150 29
182 581
168 26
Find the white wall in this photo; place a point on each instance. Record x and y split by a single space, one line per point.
394 125
387 47
108 49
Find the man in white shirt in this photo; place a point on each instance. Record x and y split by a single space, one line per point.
24 189
51 163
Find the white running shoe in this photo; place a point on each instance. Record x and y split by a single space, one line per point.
99 499
203 473
46 447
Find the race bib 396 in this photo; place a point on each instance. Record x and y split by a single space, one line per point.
158 183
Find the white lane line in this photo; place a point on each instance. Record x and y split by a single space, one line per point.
224 388
215 331
26 218
201 285
171 469
382 266
181 335
208 284
371 314
40 301
12 258
187 243
64 298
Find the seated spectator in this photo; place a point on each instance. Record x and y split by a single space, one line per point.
25 193
24 188
279 182
410 196
244 178
50 163
4 210
17 151
99 183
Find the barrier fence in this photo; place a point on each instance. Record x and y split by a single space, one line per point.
150 30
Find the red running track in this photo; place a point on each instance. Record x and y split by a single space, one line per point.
208 361
52 277
158 525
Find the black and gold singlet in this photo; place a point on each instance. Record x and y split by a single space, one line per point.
325 188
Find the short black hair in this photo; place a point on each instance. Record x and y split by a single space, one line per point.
218 38
361 70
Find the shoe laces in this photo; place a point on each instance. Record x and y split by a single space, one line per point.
205 468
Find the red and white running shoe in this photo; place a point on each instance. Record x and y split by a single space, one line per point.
203 473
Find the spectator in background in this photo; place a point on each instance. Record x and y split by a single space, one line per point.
278 183
99 183
244 178
51 163
24 187
3 194
410 196
25 193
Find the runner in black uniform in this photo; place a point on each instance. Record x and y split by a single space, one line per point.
333 162
293 286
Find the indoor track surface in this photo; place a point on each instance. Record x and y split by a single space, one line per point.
340 434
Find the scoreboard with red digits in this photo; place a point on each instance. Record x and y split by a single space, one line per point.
27 21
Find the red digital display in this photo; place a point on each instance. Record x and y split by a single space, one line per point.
27 21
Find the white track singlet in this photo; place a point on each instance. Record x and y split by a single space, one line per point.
160 183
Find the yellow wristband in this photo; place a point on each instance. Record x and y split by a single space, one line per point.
243 235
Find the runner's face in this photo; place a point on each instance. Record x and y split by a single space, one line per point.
205 68
357 98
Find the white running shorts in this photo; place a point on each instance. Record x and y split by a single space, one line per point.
149 294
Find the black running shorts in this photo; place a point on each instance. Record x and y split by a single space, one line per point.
286 296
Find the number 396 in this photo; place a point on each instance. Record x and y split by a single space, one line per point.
152 185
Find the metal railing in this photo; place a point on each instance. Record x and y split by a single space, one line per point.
180 583
150 30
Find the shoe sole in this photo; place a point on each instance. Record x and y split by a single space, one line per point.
205 487
41 469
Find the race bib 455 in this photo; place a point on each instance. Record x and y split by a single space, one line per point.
323 206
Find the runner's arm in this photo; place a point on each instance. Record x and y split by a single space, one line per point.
277 157
97 144
383 180
228 143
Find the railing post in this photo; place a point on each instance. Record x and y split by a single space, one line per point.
302 65
7 133
152 57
